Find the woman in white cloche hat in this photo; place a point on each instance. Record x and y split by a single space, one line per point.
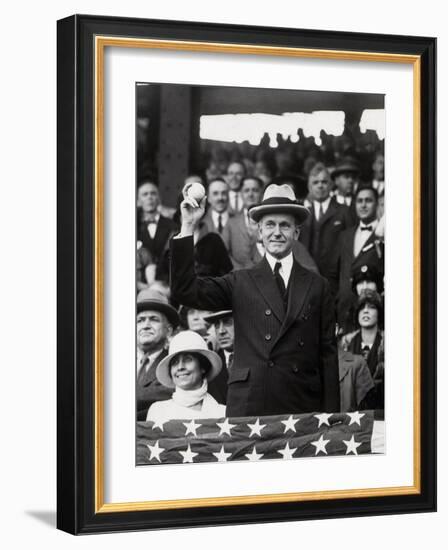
188 368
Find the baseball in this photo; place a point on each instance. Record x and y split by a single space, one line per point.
196 191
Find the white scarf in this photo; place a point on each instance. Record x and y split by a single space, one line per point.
189 398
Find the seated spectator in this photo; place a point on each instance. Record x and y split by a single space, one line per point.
368 341
153 229
355 381
187 369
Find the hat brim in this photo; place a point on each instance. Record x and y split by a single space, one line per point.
350 169
163 368
169 311
299 212
218 315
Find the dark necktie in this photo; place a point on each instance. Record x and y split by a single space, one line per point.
219 223
366 228
143 371
237 202
279 279
230 361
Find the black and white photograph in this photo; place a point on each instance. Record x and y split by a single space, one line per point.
260 262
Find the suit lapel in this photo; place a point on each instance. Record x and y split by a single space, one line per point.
298 288
265 282
370 241
331 210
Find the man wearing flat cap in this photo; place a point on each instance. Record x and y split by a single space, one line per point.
285 358
155 322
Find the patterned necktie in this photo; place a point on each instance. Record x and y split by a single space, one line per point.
279 279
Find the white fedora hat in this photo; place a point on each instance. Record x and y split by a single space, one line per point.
279 199
191 342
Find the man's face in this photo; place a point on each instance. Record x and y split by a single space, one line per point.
345 182
278 232
153 330
225 333
148 197
195 320
378 168
250 192
365 285
368 316
218 196
235 174
319 186
366 205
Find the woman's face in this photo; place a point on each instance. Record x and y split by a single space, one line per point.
195 320
186 371
368 316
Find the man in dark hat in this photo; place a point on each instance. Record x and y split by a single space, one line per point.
156 320
285 358
224 329
345 177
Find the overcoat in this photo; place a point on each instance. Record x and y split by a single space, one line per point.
284 362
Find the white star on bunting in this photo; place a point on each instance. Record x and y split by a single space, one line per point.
222 455
290 424
351 446
255 429
254 455
320 445
188 455
158 424
287 452
355 417
323 418
155 451
225 427
191 427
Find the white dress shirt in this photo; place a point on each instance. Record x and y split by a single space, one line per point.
361 236
215 217
324 204
285 270
232 200
152 226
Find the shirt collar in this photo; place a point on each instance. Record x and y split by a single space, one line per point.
287 261
325 204
215 215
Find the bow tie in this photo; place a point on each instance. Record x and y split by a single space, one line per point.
366 228
151 222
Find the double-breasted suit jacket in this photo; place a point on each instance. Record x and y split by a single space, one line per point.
284 361
371 254
149 389
321 237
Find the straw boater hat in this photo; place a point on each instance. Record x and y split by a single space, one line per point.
191 342
148 299
218 315
279 199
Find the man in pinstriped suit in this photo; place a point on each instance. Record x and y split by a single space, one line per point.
285 358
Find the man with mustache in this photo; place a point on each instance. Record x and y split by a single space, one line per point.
285 358
156 319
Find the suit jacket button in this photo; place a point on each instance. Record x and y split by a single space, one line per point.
268 312
295 368
301 343
271 364
267 337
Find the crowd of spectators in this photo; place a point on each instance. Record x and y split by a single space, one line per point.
342 183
